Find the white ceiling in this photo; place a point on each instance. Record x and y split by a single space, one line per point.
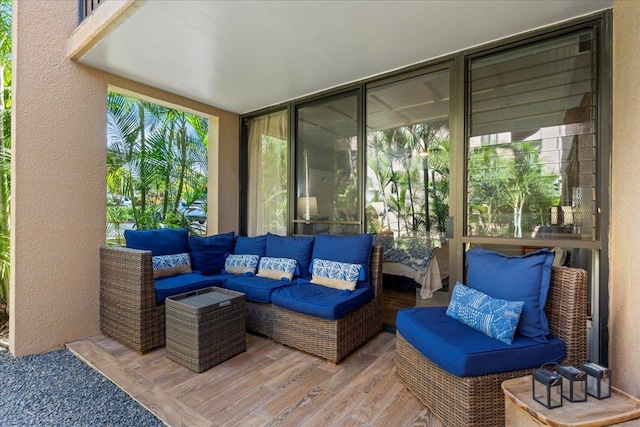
245 55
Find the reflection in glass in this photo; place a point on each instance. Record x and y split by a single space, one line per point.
532 146
327 167
408 157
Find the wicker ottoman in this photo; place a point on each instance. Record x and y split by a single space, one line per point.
205 327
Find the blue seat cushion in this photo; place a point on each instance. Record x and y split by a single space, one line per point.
178 284
256 289
462 351
220 277
321 301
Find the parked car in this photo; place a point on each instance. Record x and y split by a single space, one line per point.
195 211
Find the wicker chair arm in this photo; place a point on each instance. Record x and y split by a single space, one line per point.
375 268
127 276
566 310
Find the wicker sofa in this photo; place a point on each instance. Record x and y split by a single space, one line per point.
478 400
131 314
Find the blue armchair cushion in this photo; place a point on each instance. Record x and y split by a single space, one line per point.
170 265
251 245
256 289
163 241
298 248
241 264
178 284
463 351
321 301
494 317
515 278
334 274
277 268
353 249
208 254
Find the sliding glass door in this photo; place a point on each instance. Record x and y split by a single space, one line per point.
327 172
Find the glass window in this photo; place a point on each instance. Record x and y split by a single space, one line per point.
408 157
531 152
268 149
327 189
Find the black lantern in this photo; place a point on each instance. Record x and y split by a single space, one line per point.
598 380
547 388
574 383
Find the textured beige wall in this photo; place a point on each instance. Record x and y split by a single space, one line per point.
625 228
59 167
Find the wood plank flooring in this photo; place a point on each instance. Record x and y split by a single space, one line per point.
268 385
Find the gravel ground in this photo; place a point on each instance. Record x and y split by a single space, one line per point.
58 389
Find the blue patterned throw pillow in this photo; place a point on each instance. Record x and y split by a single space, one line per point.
277 268
241 264
334 274
494 317
170 265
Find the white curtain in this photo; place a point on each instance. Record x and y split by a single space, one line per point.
267 174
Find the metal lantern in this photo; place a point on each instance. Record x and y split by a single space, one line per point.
574 383
547 388
598 380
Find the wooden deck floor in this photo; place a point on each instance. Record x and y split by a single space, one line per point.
268 385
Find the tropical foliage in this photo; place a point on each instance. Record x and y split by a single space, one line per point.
157 161
5 152
510 190
408 180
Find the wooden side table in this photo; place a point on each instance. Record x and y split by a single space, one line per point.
522 411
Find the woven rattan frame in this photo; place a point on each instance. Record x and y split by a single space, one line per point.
333 339
200 338
479 401
128 311
259 318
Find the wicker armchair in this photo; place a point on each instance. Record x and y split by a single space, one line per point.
128 311
479 401
333 339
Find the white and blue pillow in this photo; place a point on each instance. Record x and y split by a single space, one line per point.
334 274
277 268
241 264
170 265
494 317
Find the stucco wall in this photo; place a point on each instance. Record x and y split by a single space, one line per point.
59 169
625 228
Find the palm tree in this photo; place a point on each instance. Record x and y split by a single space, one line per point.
157 156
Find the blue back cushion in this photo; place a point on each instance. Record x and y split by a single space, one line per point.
298 248
209 253
251 245
463 351
352 249
163 241
515 278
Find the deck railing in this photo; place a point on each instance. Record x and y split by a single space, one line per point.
86 8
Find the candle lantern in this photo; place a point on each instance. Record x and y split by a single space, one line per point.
598 380
574 383
547 388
